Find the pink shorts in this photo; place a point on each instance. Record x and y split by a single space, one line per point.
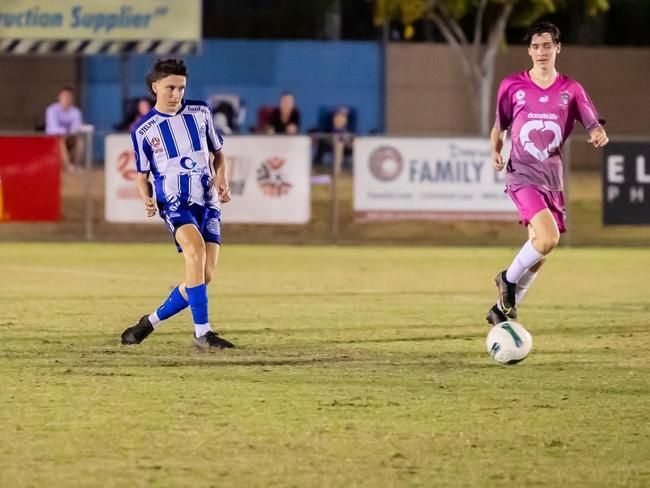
531 199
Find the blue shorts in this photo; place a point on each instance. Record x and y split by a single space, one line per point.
207 220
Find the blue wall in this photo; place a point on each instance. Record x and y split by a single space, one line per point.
319 74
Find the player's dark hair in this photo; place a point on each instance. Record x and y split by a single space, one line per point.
163 68
67 88
540 28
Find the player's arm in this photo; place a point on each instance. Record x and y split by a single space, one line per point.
588 116
146 195
221 178
497 139
215 146
143 158
76 122
502 121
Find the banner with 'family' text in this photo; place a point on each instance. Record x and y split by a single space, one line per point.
427 179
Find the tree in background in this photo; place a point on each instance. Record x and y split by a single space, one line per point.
475 30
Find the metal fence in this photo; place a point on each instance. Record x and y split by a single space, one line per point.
332 212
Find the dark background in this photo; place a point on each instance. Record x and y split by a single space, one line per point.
627 23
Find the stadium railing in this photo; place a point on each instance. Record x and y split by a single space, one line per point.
332 218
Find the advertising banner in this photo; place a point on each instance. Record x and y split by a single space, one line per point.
626 183
99 26
427 179
30 179
269 178
122 202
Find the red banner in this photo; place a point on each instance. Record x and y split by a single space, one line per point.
30 179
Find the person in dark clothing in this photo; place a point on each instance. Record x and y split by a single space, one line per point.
340 133
285 119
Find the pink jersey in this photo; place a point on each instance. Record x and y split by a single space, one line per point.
540 120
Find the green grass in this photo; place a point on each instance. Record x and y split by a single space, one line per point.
356 366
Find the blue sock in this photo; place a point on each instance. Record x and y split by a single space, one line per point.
174 304
197 296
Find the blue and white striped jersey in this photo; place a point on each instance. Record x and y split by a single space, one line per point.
176 149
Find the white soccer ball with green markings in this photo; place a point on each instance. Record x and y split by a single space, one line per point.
509 342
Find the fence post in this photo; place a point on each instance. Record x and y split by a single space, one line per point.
337 164
566 239
88 164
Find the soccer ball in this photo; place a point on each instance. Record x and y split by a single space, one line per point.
509 342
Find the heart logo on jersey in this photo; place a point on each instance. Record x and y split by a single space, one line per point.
540 137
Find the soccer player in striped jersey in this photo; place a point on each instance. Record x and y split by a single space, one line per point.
177 143
539 107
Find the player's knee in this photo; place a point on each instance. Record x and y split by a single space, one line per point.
195 253
208 276
545 244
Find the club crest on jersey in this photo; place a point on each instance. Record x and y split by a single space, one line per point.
520 95
156 144
214 226
565 98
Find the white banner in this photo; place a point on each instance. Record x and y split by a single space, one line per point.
427 179
269 179
121 202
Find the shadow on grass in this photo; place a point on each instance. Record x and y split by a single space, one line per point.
201 360
445 337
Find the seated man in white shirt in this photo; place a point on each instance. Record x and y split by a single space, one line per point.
64 119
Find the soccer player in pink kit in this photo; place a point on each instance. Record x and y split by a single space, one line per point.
539 107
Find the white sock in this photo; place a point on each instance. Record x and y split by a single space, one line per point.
527 257
523 284
154 319
201 329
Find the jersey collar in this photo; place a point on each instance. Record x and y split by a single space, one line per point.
171 115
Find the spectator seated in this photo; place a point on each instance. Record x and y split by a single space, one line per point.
228 112
263 118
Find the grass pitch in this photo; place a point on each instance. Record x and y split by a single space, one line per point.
360 366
